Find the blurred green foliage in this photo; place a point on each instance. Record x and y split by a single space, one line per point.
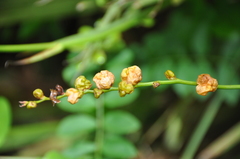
189 38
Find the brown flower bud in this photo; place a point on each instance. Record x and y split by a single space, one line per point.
132 75
38 93
156 84
53 96
73 95
81 83
59 90
205 84
104 79
170 75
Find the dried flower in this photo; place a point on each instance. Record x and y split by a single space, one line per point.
132 75
38 93
97 92
205 84
170 75
125 88
104 79
53 96
82 83
59 90
23 103
73 95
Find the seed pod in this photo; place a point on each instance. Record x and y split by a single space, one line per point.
104 79
73 95
38 93
132 75
53 96
205 84
81 83
170 75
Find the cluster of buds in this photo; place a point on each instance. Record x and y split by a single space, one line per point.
130 77
104 80
38 93
205 84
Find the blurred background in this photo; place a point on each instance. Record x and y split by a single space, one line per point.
187 37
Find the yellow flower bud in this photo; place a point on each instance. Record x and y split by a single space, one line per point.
104 79
97 92
31 104
73 95
38 93
125 88
82 83
132 75
205 84
170 75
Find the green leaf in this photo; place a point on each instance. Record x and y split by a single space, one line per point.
117 147
113 100
76 124
53 155
200 41
5 118
79 149
121 122
85 104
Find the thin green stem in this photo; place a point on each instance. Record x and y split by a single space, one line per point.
146 84
99 138
201 129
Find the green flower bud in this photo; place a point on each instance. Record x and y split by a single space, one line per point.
38 93
170 75
97 92
31 104
81 83
125 88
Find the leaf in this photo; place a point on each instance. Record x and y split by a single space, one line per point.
113 100
121 122
53 155
76 124
79 149
200 41
116 147
85 104
5 118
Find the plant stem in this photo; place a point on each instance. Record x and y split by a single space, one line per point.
146 84
99 138
201 129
